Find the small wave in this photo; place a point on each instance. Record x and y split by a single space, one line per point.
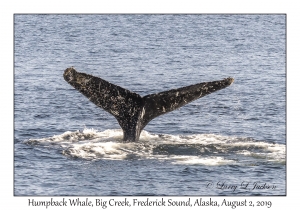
203 161
203 149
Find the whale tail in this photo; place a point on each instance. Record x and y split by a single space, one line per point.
132 111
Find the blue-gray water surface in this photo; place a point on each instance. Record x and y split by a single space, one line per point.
66 145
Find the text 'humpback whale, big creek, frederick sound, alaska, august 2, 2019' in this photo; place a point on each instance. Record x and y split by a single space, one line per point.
132 111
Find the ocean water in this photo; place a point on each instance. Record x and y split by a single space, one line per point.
66 145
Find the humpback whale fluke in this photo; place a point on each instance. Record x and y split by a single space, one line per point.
132 111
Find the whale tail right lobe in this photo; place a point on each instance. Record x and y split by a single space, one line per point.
132 111
167 101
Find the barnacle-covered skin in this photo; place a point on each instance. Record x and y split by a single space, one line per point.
167 101
132 111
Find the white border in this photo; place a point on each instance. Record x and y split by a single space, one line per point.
8 8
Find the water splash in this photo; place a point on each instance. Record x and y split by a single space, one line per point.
203 149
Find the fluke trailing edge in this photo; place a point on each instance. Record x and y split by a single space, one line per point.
132 111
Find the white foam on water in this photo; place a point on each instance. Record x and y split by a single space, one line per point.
195 160
204 149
